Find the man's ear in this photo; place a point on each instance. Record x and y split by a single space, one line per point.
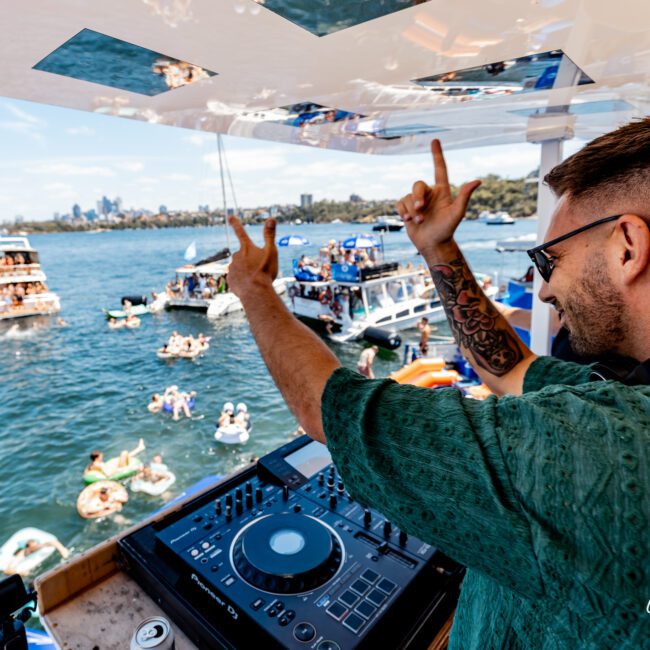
634 249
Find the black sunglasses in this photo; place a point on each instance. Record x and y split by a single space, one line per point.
540 257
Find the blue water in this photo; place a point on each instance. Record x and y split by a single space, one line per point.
68 390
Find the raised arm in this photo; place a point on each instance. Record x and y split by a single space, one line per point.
431 215
298 360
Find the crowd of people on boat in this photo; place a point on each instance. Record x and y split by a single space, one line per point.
197 285
174 401
22 296
10 261
185 347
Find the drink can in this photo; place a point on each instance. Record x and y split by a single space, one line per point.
153 633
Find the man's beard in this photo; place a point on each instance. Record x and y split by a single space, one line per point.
595 313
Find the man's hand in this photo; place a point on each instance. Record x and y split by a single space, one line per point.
430 212
251 265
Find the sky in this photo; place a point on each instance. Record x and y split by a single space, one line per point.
54 157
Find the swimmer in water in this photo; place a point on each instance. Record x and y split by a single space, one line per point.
26 549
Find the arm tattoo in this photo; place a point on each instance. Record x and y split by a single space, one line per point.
477 325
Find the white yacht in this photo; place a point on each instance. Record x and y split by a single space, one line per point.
496 218
388 223
356 299
204 287
23 289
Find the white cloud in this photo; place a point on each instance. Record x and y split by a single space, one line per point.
80 130
250 160
130 166
177 177
68 169
22 115
147 180
56 187
199 139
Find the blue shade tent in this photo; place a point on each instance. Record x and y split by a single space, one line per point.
293 240
361 241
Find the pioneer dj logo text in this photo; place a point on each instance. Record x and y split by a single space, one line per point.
230 608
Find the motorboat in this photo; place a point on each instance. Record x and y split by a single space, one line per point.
388 223
204 287
355 300
23 288
496 218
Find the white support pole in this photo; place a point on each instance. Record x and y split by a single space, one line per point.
540 333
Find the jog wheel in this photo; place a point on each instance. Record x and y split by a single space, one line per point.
287 553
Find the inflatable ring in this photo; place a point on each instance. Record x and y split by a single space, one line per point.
113 471
89 505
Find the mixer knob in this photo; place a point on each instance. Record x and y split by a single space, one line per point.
228 500
402 538
249 487
238 494
330 482
217 506
249 501
259 495
333 501
285 492
297 507
228 512
388 527
367 517
239 506
340 488
321 478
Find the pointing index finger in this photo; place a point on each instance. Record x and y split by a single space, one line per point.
439 165
242 235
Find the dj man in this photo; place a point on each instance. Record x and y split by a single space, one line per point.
542 490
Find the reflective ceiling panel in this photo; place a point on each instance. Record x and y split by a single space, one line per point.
351 89
322 17
108 61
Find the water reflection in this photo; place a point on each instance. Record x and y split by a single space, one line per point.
172 12
98 58
322 17
522 75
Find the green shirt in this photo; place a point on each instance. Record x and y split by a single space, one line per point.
544 497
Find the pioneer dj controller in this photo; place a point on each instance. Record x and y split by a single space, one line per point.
281 556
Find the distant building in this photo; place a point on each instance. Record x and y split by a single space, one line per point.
57 216
107 205
19 219
204 208
306 201
91 215
117 204
355 198
76 211
163 210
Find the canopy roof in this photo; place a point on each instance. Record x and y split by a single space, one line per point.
341 74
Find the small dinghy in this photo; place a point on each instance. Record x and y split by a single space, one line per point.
18 541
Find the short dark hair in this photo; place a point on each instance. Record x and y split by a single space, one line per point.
614 167
94 455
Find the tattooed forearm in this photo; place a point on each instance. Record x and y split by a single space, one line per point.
477 325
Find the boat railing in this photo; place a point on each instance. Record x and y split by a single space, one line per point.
32 304
18 270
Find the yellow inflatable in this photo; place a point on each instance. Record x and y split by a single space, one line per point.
426 373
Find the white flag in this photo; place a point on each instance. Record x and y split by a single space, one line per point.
190 252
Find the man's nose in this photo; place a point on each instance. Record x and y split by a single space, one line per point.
545 293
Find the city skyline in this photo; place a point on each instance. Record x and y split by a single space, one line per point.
56 157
